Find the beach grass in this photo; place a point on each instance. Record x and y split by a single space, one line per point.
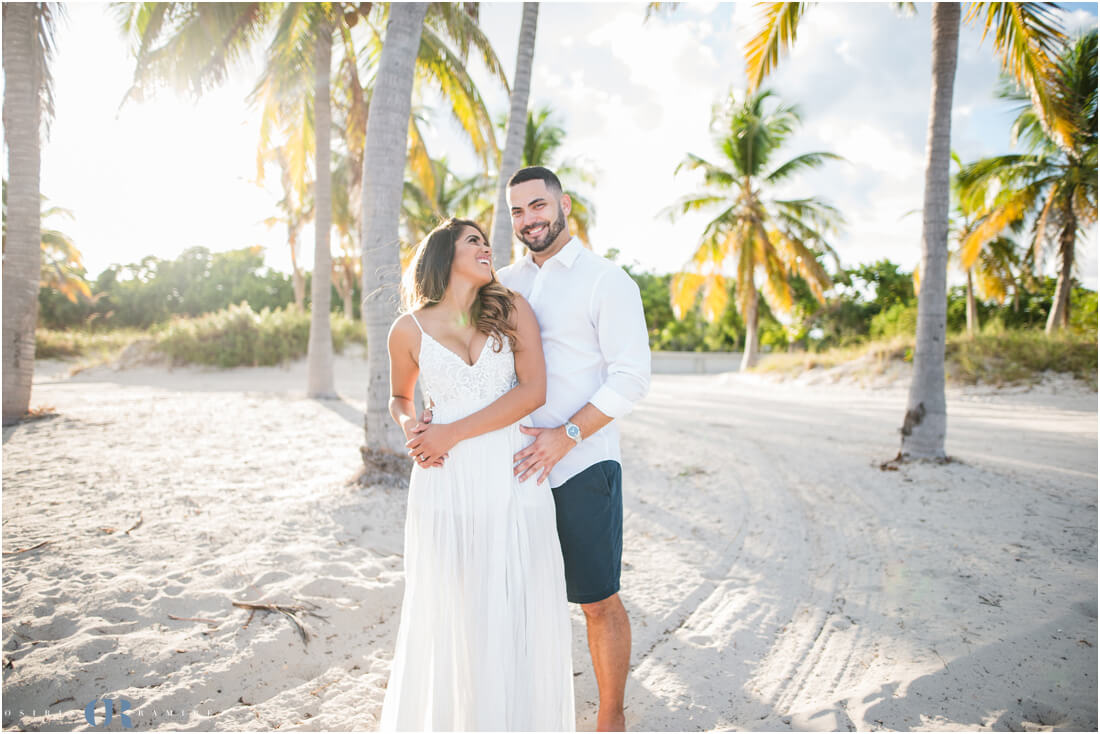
232 337
995 357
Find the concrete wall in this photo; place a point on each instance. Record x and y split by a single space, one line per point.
699 363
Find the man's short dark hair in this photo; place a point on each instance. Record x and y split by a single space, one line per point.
536 173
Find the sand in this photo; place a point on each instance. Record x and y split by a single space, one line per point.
776 577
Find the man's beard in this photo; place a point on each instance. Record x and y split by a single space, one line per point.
552 231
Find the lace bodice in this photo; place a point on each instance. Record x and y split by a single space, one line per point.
457 389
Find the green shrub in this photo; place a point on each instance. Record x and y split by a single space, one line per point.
238 336
70 344
999 356
900 319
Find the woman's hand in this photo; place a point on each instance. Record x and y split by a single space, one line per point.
413 429
429 444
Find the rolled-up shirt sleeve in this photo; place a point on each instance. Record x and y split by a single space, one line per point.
624 343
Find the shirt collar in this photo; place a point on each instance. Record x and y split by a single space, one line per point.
566 256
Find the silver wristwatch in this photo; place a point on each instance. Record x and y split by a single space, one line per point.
573 431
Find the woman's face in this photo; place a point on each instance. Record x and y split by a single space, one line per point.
473 258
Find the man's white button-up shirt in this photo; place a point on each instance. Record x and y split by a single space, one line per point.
595 342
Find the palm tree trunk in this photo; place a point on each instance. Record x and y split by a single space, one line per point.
501 234
925 426
971 304
23 253
349 310
297 278
752 332
321 383
383 176
1059 309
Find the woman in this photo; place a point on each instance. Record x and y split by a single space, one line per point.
484 639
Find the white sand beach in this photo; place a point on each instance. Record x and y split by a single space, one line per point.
777 578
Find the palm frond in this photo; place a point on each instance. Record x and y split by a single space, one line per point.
684 288
799 163
438 64
1028 36
777 30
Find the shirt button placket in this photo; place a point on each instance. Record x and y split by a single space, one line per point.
536 287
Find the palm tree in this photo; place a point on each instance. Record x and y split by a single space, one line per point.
752 232
62 264
200 41
542 142
28 39
383 169
321 380
426 203
1056 185
500 237
296 206
1025 37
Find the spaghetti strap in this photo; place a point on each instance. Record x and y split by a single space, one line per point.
416 322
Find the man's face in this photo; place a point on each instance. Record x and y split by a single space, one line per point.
538 216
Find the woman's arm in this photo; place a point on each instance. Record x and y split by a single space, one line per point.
403 342
403 372
529 394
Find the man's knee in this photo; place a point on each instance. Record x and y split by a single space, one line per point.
604 610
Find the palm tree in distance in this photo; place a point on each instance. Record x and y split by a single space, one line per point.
989 263
1026 37
446 194
28 110
752 233
543 139
1053 185
62 264
193 44
296 206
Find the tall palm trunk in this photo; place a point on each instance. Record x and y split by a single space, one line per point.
383 174
320 379
501 234
298 278
925 424
971 304
752 331
1059 309
23 254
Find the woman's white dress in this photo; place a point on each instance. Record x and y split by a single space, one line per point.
484 642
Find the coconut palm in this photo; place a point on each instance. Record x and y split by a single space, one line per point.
28 110
542 142
203 38
383 169
500 237
446 194
1026 37
753 233
1053 185
295 208
198 41
62 264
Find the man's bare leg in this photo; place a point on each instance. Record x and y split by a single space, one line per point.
609 644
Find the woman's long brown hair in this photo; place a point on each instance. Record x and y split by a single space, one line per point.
425 281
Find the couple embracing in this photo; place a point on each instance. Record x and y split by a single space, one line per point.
515 500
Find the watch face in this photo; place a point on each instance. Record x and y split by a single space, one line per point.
573 432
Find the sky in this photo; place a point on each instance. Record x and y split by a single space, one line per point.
634 96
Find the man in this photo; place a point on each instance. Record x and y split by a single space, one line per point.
597 366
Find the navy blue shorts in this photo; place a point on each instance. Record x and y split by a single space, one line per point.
589 510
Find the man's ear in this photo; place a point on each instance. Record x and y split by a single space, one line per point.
566 204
